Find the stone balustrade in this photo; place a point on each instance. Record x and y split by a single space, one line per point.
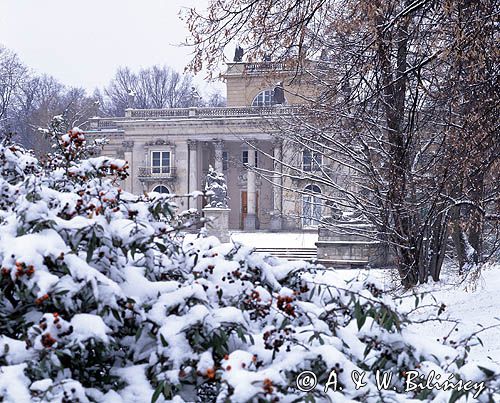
104 123
222 112
192 113
145 173
266 66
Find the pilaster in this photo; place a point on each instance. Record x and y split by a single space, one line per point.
219 147
251 217
128 147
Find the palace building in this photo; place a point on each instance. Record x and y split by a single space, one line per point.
170 150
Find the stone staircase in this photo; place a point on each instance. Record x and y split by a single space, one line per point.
291 253
310 254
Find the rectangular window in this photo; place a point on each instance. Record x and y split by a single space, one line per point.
244 157
311 161
225 160
160 162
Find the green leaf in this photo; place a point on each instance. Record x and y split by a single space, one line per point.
368 348
162 248
488 372
167 390
116 315
424 394
164 342
90 248
138 333
455 395
359 315
241 335
157 392
311 295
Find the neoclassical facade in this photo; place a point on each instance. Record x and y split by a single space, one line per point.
170 150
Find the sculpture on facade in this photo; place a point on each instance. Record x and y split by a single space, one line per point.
216 185
279 94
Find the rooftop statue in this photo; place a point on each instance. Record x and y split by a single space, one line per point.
238 54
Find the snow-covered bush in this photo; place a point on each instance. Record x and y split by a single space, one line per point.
102 300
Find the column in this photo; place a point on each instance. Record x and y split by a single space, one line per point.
276 216
128 147
193 171
251 218
219 147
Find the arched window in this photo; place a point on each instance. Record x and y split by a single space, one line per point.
161 189
263 98
311 206
270 97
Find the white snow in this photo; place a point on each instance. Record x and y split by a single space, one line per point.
42 385
202 310
476 309
276 239
14 351
86 326
138 388
13 384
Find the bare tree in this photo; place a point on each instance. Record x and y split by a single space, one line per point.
383 120
12 73
37 100
119 91
473 147
154 87
35 103
216 99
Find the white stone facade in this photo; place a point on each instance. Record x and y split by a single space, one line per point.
171 149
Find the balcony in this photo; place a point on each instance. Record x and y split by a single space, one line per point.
156 173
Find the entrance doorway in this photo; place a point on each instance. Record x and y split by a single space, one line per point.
244 208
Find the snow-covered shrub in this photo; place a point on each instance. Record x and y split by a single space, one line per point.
101 300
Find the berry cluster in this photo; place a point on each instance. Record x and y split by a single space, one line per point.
50 330
274 339
285 304
375 291
22 269
256 307
268 386
40 300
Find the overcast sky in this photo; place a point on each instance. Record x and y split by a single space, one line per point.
83 42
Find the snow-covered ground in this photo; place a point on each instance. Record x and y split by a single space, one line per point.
276 239
476 305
